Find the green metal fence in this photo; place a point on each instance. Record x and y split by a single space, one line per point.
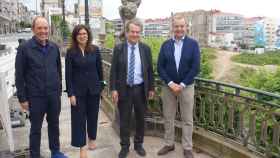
246 116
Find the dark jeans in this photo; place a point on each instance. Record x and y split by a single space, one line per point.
84 117
136 100
39 106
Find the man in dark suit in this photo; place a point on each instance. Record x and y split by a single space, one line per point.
178 64
131 82
38 83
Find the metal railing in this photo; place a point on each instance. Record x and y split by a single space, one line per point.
13 37
246 116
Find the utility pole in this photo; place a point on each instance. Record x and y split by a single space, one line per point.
36 7
86 13
78 10
64 24
63 10
43 8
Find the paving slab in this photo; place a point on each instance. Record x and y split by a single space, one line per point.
107 139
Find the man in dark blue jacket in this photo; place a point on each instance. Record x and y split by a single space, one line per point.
178 64
38 83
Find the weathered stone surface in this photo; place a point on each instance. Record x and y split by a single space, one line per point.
128 11
107 139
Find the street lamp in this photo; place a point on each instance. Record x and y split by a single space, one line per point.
43 8
86 13
63 10
63 21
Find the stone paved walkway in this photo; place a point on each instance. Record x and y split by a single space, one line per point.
107 140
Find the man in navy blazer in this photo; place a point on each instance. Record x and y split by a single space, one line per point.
178 64
38 83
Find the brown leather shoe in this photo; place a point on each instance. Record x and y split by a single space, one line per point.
188 154
166 149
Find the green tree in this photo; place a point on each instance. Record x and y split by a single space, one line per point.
207 54
109 27
206 68
110 41
61 27
155 44
263 80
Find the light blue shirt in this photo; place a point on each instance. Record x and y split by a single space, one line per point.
178 45
138 77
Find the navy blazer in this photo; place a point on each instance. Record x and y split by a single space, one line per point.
189 63
83 73
37 70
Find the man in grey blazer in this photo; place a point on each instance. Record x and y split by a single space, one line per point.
131 83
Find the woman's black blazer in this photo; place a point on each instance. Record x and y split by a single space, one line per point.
83 73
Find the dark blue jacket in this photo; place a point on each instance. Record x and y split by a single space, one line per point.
38 70
83 73
189 63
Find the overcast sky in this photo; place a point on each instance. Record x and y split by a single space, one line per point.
163 8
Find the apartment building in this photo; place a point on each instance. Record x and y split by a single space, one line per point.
228 23
199 24
157 27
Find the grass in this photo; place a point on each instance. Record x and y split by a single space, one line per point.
268 58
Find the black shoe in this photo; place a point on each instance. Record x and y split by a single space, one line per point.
166 149
123 153
188 154
140 150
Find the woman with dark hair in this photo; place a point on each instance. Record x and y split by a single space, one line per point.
84 78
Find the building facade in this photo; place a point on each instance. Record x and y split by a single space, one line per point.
270 29
260 32
96 21
8 16
200 24
12 12
157 27
228 23
4 17
278 37
253 32
46 5
24 15
117 25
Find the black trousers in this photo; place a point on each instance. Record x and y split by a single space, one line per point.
39 107
136 100
84 117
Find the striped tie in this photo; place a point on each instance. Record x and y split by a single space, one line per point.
131 67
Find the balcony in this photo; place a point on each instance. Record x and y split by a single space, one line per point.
230 122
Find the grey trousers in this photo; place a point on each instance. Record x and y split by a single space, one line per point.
170 102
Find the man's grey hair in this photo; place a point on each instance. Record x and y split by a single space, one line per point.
134 21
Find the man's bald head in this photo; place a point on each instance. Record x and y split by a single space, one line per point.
38 18
40 28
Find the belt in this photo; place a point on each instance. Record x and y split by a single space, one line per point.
135 85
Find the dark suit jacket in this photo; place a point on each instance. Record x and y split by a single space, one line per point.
118 75
189 63
83 73
37 70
